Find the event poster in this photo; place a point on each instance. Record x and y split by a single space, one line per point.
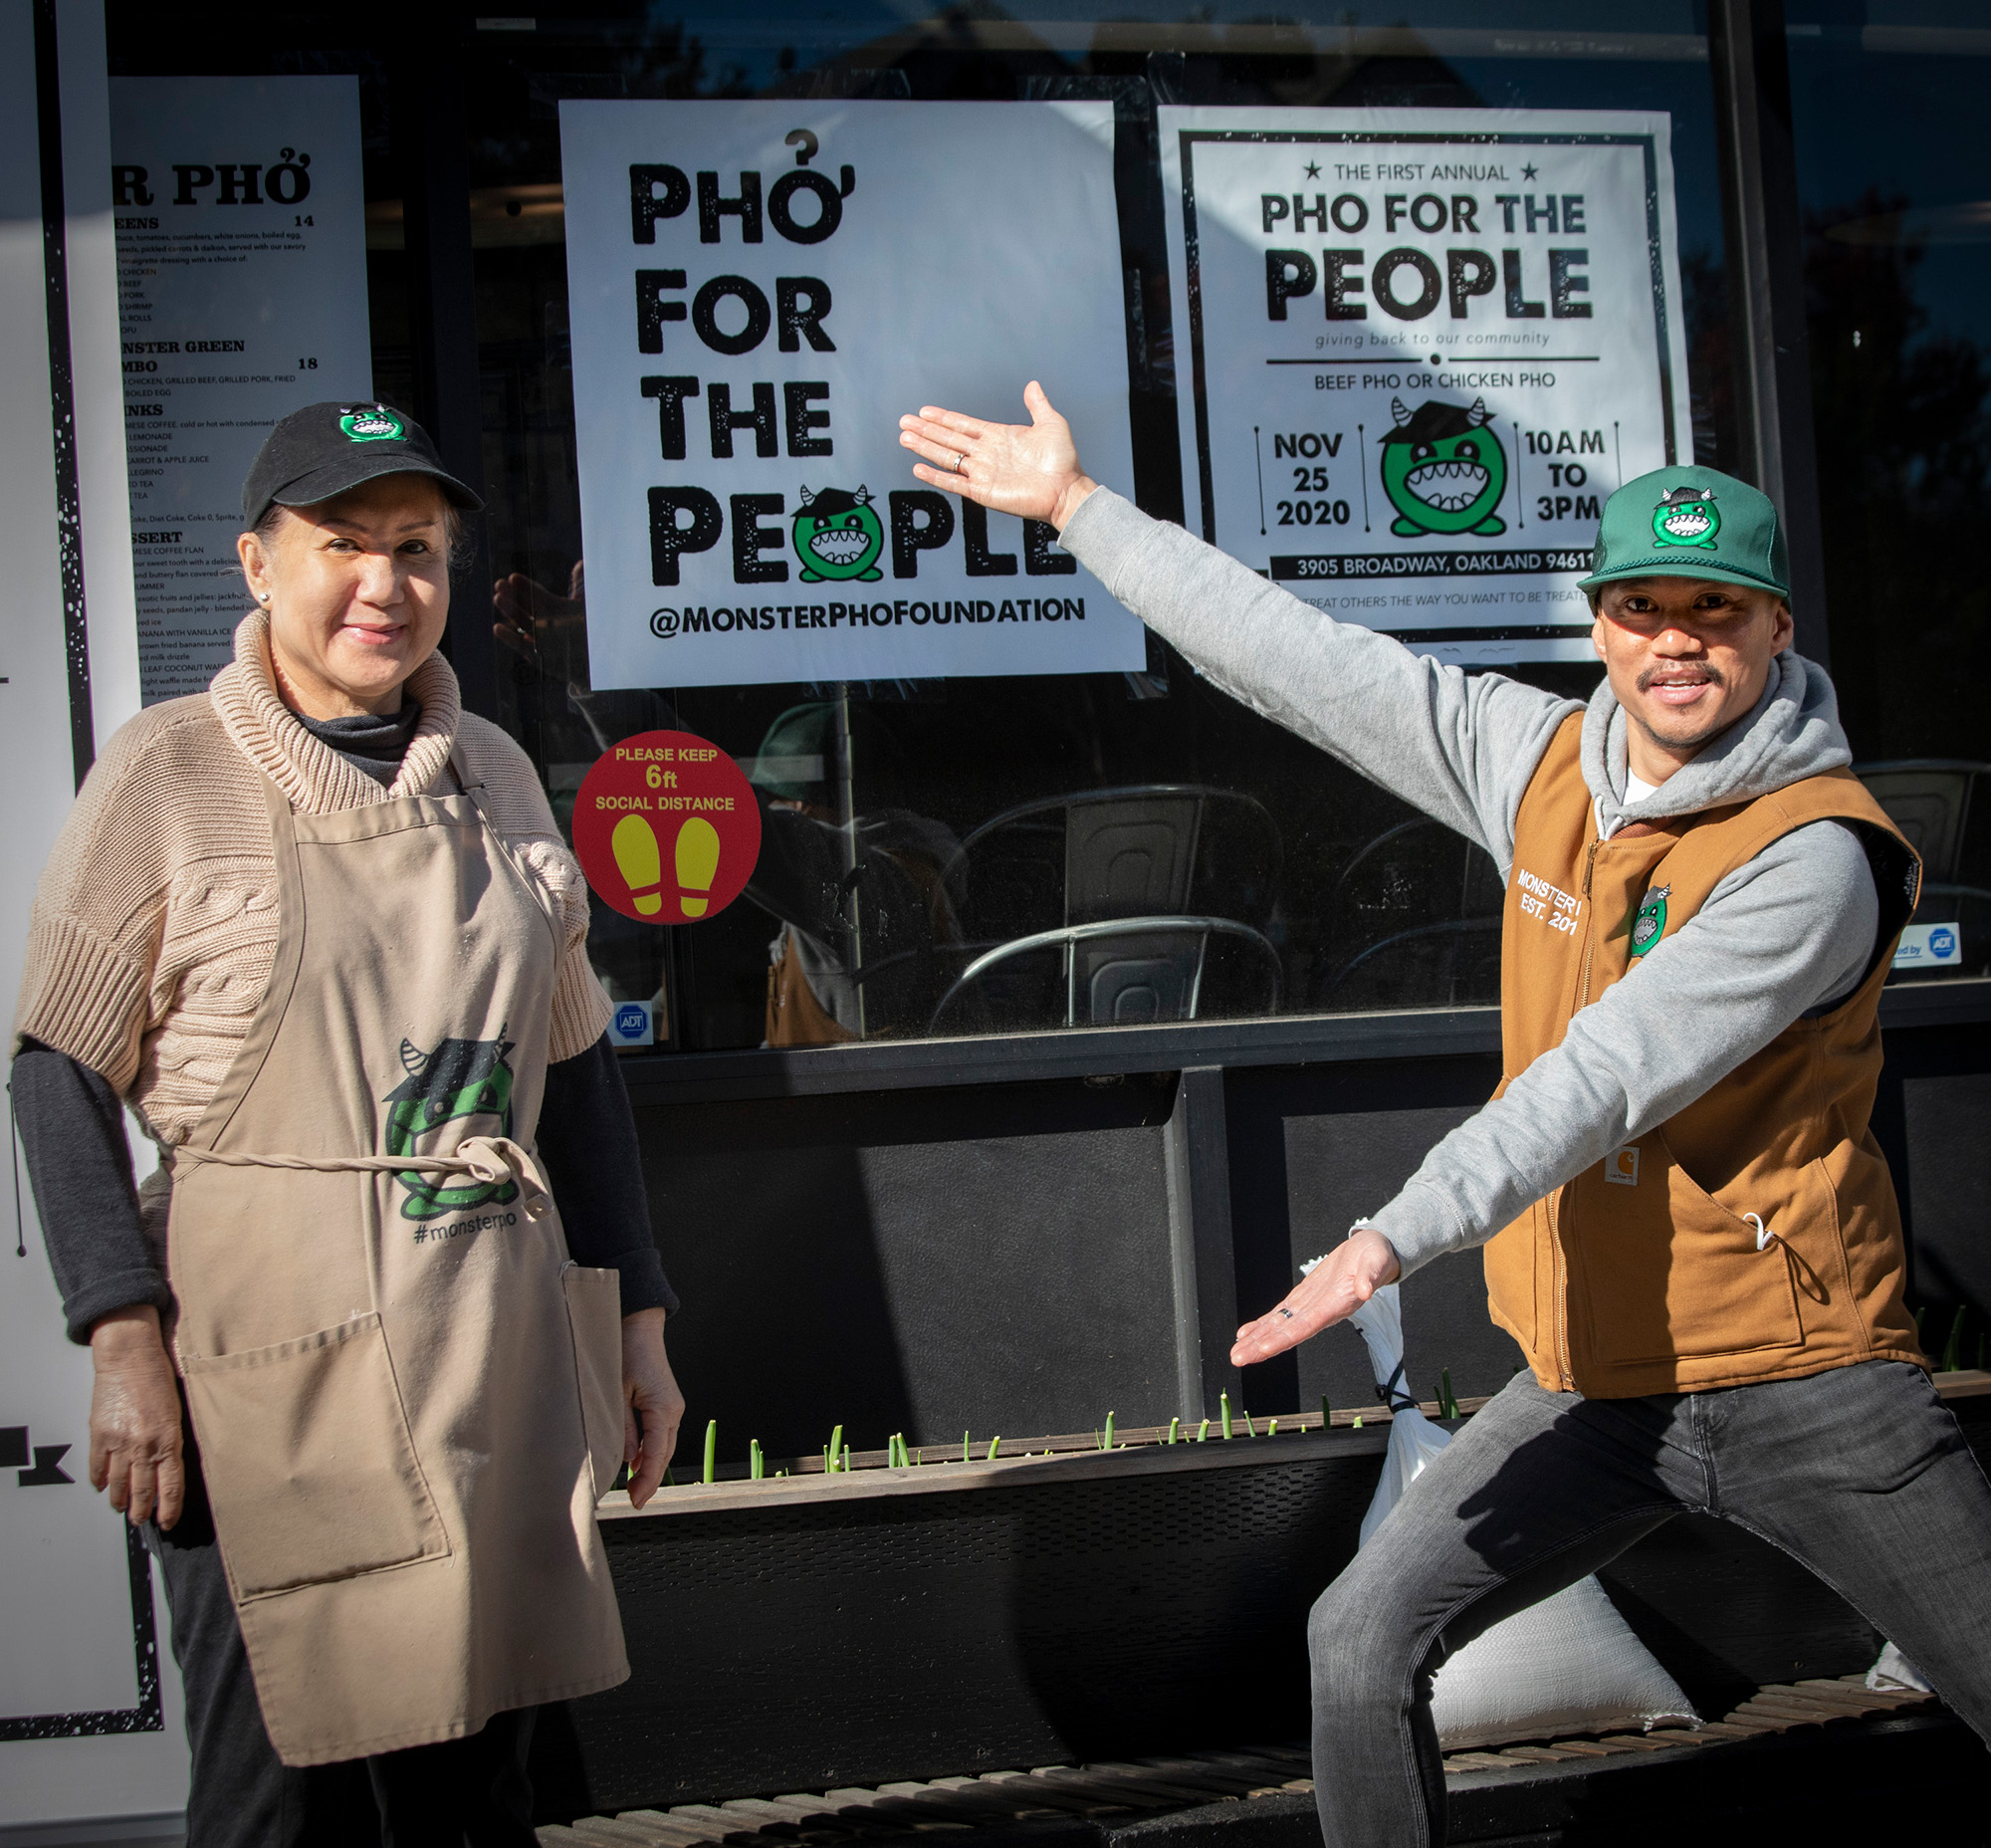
758 291
242 296
1416 349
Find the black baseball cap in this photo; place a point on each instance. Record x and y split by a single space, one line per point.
323 449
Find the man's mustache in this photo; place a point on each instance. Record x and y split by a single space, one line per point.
1699 671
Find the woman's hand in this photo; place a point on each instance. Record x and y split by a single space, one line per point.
653 1407
1027 469
1341 1283
135 1418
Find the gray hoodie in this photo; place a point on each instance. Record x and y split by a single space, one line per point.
1789 931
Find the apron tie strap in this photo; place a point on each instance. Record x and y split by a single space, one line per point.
490 1159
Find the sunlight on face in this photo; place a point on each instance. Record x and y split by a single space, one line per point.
1687 658
357 589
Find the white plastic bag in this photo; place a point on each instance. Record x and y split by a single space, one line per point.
1569 1664
1894 1671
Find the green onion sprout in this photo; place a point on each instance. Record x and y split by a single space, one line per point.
1326 1416
1174 1430
1202 1433
711 1445
756 1465
1109 1430
993 1442
1953 1349
1223 1402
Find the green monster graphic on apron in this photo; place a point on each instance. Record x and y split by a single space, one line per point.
407 1396
456 1080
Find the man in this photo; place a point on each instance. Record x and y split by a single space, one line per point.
1701 1254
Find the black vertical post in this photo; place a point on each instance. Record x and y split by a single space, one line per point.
62 394
1199 1248
1759 184
430 137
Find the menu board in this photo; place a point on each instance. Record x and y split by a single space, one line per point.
242 296
1417 349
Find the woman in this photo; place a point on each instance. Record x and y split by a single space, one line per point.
318 930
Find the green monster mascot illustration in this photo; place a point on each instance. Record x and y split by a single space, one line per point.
1686 517
372 423
458 1079
1444 470
838 536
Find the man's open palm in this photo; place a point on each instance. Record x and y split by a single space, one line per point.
1031 469
1341 1283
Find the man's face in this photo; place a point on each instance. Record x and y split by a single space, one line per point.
1686 656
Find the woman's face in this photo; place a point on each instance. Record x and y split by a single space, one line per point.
357 590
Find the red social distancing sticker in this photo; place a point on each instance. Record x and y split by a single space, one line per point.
666 827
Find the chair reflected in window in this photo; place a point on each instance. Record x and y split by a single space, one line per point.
1118 907
1943 807
1413 921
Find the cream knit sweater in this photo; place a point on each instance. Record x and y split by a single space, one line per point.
155 921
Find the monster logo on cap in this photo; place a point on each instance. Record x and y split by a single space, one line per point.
1686 517
371 423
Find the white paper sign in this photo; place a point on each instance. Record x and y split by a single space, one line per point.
242 297
758 291
1416 349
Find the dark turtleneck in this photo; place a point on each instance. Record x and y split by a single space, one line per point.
371 742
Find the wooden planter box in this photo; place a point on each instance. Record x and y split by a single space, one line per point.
858 1629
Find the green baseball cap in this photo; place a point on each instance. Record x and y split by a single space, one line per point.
1691 523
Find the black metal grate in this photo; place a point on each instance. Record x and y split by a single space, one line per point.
912 1637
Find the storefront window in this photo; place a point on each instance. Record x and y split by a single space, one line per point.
913 828
1897 269
947 856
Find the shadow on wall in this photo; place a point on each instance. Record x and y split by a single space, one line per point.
917 1261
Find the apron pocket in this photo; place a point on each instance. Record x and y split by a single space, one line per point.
310 1465
594 1317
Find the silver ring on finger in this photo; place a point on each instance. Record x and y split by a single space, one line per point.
961 463
1287 1314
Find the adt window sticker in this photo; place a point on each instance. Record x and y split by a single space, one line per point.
1930 946
630 1023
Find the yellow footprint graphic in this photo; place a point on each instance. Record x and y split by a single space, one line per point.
634 845
698 863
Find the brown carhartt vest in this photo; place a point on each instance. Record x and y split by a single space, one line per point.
1755 1235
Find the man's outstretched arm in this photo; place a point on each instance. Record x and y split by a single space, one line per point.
1460 746
1790 931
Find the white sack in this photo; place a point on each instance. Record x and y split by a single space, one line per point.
1894 1671
1569 1664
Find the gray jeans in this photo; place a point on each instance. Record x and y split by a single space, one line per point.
1862 1474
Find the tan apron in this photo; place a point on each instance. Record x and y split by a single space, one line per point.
407 1397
